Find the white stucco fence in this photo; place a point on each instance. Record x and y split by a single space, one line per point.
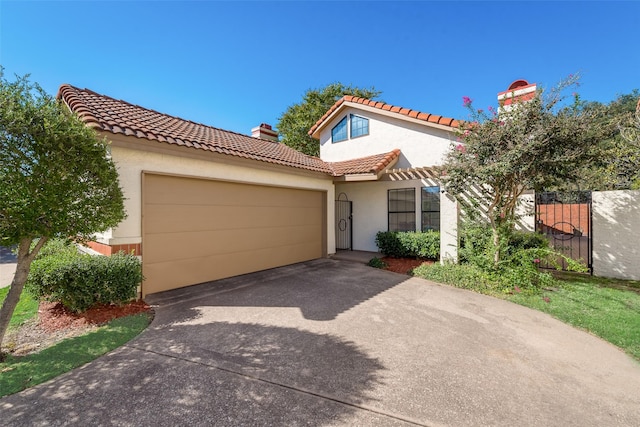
616 234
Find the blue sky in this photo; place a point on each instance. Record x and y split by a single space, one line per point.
234 65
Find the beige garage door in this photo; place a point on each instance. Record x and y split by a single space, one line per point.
197 230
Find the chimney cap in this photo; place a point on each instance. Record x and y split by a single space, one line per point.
517 84
265 131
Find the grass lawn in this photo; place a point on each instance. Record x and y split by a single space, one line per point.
26 309
607 308
21 372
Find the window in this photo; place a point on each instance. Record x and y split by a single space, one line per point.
359 126
339 132
402 209
430 208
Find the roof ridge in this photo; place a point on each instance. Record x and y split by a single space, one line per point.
155 111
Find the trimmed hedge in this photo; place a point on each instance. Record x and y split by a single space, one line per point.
80 281
409 244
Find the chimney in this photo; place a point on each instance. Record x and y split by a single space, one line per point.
264 131
518 91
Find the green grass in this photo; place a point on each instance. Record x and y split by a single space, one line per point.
26 309
19 373
607 308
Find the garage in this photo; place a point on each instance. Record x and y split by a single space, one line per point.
198 230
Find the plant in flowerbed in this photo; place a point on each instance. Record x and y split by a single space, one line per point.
517 271
74 293
406 250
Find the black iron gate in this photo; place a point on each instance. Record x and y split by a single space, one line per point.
344 217
565 218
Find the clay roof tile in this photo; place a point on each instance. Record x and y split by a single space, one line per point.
120 117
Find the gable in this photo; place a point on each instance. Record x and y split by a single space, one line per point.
420 145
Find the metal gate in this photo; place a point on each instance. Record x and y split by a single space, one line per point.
565 218
344 218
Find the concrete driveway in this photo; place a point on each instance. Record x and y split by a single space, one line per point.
334 343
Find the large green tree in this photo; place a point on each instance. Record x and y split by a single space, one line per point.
539 143
294 124
618 164
56 175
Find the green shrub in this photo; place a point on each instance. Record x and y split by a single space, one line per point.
376 263
466 276
80 281
56 246
409 244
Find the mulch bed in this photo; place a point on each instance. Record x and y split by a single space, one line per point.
52 316
404 265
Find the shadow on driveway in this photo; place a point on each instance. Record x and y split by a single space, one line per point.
321 289
214 374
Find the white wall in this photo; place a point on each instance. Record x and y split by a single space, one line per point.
421 145
616 234
370 213
131 163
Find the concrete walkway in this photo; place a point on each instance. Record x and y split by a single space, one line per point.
335 343
362 257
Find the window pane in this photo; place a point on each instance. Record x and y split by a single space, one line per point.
402 221
402 208
339 132
430 221
359 126
430 208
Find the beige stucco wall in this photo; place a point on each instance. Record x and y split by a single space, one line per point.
131 162
421 145
370 213
526 212
616 234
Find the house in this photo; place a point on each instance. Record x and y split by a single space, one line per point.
204 203
405 197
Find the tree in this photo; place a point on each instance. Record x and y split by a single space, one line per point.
536 145
618 165
57 179
294 123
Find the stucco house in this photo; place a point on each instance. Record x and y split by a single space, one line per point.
405 197
204 203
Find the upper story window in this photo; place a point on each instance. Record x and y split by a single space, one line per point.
339 132
359 126
355 126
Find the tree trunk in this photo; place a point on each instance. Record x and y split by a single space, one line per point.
496 246
17 284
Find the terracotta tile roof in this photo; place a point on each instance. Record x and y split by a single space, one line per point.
431 118
371 164
120 117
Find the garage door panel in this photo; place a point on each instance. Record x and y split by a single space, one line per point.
197 230
170 275
174 246
171 218
187 191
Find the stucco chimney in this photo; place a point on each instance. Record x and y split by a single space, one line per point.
264 131
518 91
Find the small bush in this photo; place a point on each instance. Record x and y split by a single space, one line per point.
376 263
466 276
409 244
80 281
